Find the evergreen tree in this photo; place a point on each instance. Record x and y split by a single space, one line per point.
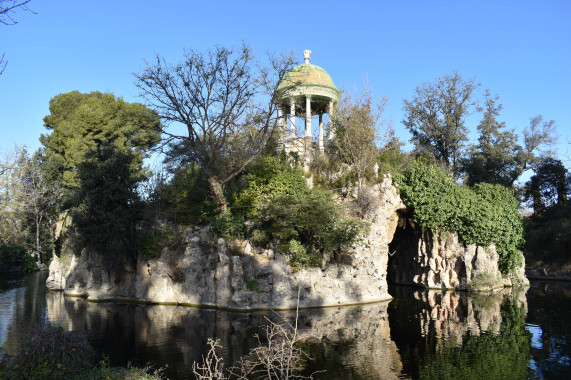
495 158
106 206
549 186
81 123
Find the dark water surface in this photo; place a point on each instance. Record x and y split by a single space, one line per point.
421 334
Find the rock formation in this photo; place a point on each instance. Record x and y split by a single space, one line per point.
235 275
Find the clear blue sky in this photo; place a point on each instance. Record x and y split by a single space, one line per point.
520 50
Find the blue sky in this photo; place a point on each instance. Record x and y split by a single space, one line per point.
520 50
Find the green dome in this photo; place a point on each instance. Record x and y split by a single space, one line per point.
307 79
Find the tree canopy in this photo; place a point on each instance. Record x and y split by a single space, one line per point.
495 158
81 123
436 118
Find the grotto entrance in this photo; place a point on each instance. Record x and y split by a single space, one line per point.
403 250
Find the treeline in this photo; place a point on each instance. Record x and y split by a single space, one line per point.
213 117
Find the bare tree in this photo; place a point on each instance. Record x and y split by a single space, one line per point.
7 7
360 131
225 101
36 197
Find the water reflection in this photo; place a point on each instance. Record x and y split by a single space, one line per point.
443 334
421 334
22 304
350 340
549 322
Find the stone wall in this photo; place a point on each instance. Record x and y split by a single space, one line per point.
439 260
236 275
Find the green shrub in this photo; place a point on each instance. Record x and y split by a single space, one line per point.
300 257
15 257
260 238
393 160
251 285
312 220
228 225
162 236
268 178
52 353
481 215
187 198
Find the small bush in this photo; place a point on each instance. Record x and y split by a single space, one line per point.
313 221
228 225
301 257
268 178
260 238
252 284
52 353
367 202
162 236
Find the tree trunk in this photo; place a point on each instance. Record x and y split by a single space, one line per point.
218 194
538 206
359 186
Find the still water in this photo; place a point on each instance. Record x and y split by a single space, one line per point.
420 334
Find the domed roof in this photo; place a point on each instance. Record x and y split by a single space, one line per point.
308 79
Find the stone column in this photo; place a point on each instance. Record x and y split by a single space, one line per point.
321 149
330 129
307 116
280 123
292 117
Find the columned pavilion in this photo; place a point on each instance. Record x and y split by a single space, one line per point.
304 91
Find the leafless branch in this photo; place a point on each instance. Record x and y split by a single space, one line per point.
7 7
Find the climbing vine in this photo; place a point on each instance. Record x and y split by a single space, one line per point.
482 215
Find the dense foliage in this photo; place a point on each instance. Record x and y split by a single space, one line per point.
15 257
106 207
482 215
80 123
436 118
497 158
307 224
548 237
266 179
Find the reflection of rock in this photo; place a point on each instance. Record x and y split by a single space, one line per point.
177 335
429 322
449 316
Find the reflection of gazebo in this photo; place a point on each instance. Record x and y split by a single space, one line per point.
305 90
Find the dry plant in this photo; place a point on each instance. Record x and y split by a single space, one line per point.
212 367
367 202
276 357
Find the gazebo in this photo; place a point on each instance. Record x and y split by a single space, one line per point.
304 91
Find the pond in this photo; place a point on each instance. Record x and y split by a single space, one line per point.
420 334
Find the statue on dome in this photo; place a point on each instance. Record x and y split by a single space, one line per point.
306 54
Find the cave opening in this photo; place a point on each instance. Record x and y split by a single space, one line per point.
401 266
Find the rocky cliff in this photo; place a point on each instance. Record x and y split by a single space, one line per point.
236 275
